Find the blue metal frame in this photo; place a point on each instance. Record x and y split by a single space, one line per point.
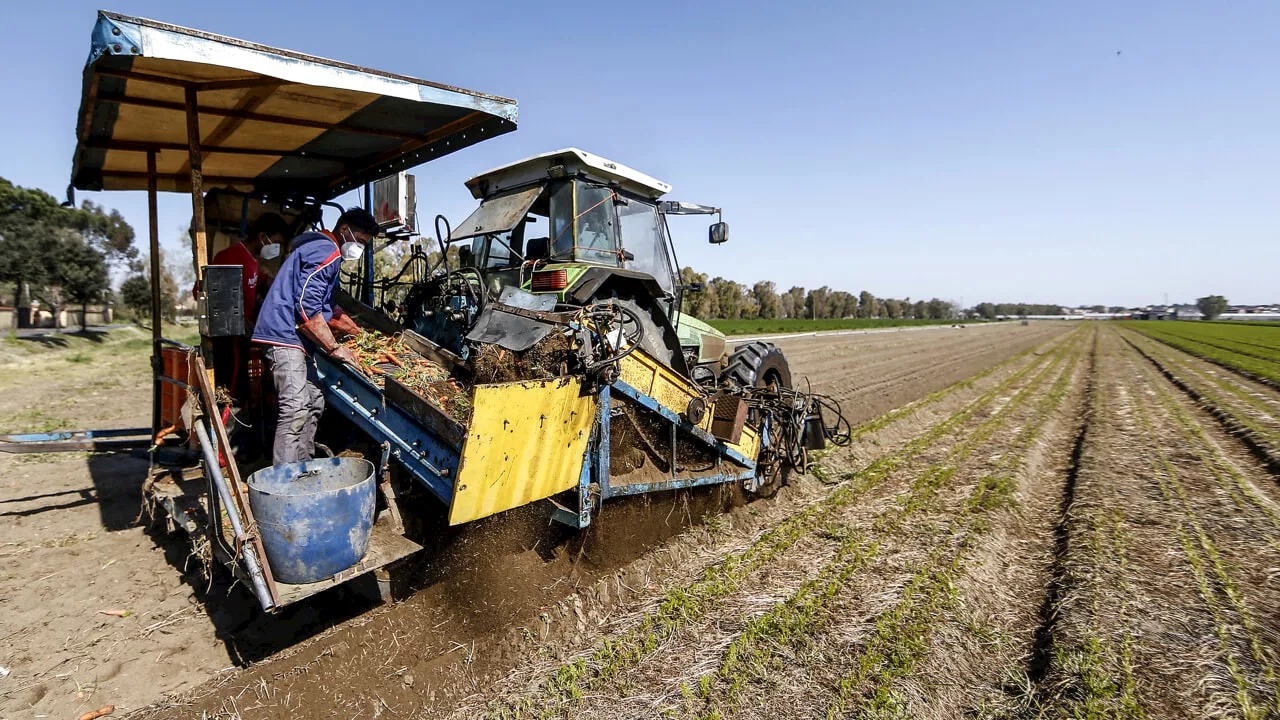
433 462
596 464
688 428
75 435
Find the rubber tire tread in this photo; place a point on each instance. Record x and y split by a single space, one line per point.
750 362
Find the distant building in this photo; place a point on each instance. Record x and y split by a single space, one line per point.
1187 312
1154 312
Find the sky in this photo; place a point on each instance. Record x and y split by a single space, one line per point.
1115 153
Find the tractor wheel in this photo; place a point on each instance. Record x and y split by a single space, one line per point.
757 364
760 364
653 340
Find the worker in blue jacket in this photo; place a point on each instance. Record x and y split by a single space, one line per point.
298 317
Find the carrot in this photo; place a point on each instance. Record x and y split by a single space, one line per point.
100 712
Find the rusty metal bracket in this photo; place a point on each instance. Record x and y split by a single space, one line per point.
388 492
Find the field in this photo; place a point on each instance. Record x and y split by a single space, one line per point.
1251 348
1061 520
761 327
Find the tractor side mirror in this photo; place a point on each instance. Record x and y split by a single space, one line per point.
718 233
693 287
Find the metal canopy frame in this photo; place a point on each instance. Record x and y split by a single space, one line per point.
162 104
170 108
271 117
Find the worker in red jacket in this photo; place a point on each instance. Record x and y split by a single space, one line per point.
299 318
231 354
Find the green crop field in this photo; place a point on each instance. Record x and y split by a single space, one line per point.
762 326
1252 348
1263 323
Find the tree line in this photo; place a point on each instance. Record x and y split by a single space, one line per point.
58 255
991 311
720 299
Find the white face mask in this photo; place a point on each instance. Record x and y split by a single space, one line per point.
270 251
351 249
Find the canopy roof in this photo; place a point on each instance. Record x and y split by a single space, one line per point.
269 119
568 162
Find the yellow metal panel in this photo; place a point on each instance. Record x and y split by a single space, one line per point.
749 443
642 372
526 441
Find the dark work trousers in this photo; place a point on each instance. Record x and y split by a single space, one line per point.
301 403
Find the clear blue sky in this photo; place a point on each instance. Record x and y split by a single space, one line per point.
975 151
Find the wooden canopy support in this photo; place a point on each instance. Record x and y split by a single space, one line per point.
199 243
196 164
208 149
183 179
245 115
420 141
206 86
157 312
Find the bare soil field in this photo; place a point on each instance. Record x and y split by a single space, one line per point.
1054 521
1057 521
74 547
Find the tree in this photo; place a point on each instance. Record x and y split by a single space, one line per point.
893 308
986 310
794 299
1211 306
868 306
48 251
695 302
80 272
817 304
169 290
841 304
135 294
28 218
107 232
767 300
728 298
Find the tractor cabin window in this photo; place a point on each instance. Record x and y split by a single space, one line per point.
588 231
642 237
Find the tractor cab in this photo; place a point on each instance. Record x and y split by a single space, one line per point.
570 227
569 208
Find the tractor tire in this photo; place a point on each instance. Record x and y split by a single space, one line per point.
654 338
760 364
757 364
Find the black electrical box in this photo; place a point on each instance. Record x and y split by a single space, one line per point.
223 301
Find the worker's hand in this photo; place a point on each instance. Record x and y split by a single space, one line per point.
344 354
342 325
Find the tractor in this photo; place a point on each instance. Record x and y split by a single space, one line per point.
550 317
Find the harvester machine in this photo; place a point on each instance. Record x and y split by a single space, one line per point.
535 352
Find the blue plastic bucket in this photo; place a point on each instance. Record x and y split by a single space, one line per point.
314 517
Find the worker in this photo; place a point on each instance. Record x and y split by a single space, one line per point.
262 240
298 318
231 354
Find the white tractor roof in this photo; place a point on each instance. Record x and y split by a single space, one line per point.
575 162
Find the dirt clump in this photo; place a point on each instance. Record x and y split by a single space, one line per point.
548 358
